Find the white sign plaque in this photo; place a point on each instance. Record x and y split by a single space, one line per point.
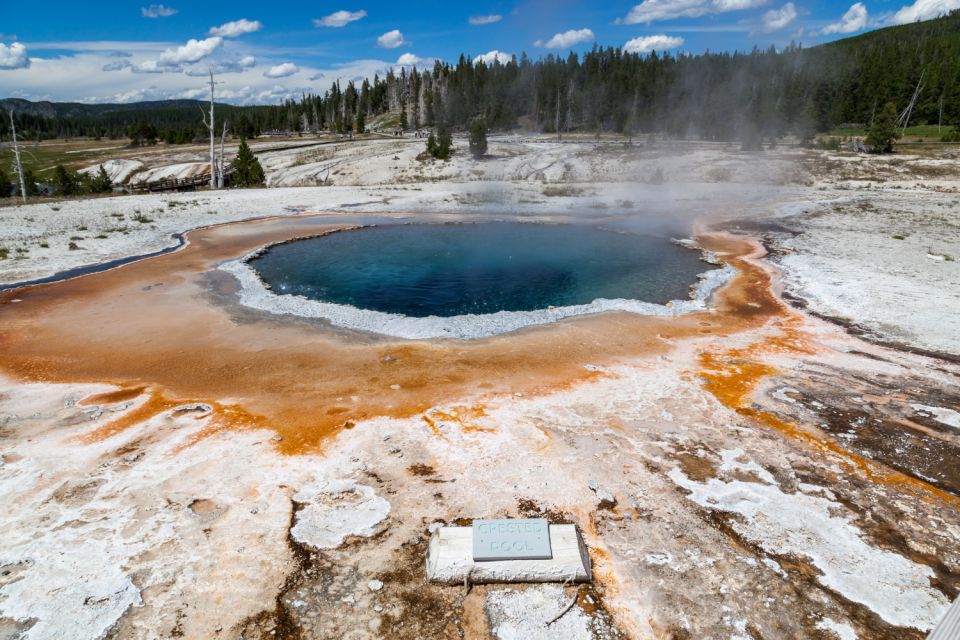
511 540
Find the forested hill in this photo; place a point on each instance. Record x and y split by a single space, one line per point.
762 93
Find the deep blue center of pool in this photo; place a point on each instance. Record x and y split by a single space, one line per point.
452 269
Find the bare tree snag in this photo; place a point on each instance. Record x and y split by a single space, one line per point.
16 157
211 125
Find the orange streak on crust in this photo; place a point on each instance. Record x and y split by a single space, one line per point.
113 397
462 415
171 323
733 375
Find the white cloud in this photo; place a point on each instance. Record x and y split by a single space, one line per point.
391 40
193 51
56 78
225 66
479 20
411 60
152 66
924 10
13 56
116 65
777 19
653 10
282 70
340 18
235 28
646 44
566 39
493 56
157 11
854 19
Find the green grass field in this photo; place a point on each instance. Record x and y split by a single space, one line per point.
76 154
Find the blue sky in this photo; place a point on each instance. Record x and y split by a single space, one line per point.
111 51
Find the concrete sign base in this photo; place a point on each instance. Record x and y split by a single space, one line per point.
450 559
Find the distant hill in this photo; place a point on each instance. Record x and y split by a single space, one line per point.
80 109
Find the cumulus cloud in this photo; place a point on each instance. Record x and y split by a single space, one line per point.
479 20
235 28
116 65
157 11
490 57
777 19
853 20
653 10
13 56
282 70
225 66
924 10
566 39
391 40
340 18
193 51
152 66
646 44
411 60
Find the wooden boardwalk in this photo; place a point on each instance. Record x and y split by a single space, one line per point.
180 184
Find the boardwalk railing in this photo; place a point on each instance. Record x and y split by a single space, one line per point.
180 184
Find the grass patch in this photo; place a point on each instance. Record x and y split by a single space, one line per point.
142 219
4 253
44 245
76 237
562 191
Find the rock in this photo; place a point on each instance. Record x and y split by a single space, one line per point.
200 407
514 614
277 438
333 510
375 585
607 500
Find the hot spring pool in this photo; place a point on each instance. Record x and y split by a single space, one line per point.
449 270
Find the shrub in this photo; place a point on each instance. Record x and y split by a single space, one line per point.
478 138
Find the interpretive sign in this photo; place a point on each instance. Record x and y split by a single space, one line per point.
511 540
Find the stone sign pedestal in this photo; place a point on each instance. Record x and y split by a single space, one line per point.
450 558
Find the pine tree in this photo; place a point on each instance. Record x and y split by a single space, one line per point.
4 184
884 130
478 138
64 183
30 182
361 122
101 183
247 171
403 116
439 144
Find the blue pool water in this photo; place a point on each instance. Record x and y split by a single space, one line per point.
424 270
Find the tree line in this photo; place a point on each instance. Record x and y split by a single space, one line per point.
756 95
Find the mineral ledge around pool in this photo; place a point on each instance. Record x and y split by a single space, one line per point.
255 294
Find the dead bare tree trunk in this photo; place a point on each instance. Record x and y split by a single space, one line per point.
213 137
557 119
16 156
940 118
223 161
904 120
